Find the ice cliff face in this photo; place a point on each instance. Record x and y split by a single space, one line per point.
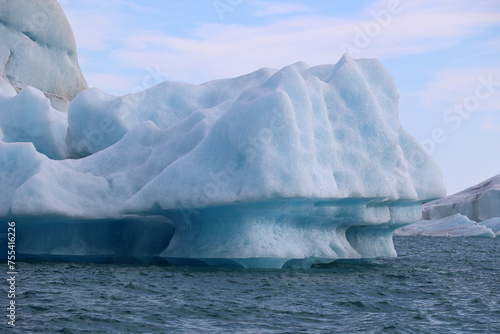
37 48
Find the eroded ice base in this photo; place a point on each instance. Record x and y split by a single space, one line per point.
129 239
296 233
275 234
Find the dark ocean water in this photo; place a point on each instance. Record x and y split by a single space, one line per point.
436 285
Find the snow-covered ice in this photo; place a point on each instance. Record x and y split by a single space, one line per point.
37 48
98 120
29 117
270 169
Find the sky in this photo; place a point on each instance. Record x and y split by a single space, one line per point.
444 56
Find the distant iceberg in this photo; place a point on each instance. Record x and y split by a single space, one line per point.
275 168
478 203
451 226
472 212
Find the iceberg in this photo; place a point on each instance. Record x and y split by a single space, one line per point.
305 163
493 224
478 203
452 226
276 168
472 212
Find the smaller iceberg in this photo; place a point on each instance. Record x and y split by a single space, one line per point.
452 226
473 212
478 203
493 224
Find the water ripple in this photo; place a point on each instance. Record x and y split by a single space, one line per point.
437 285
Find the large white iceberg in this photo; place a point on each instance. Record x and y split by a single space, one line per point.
274 168
301 163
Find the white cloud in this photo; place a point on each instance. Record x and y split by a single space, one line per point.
268 8
213 50
226 50
491 125
111 83
454 86
417 31
96 36
100 25
217 50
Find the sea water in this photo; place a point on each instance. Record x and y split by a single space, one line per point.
436 285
